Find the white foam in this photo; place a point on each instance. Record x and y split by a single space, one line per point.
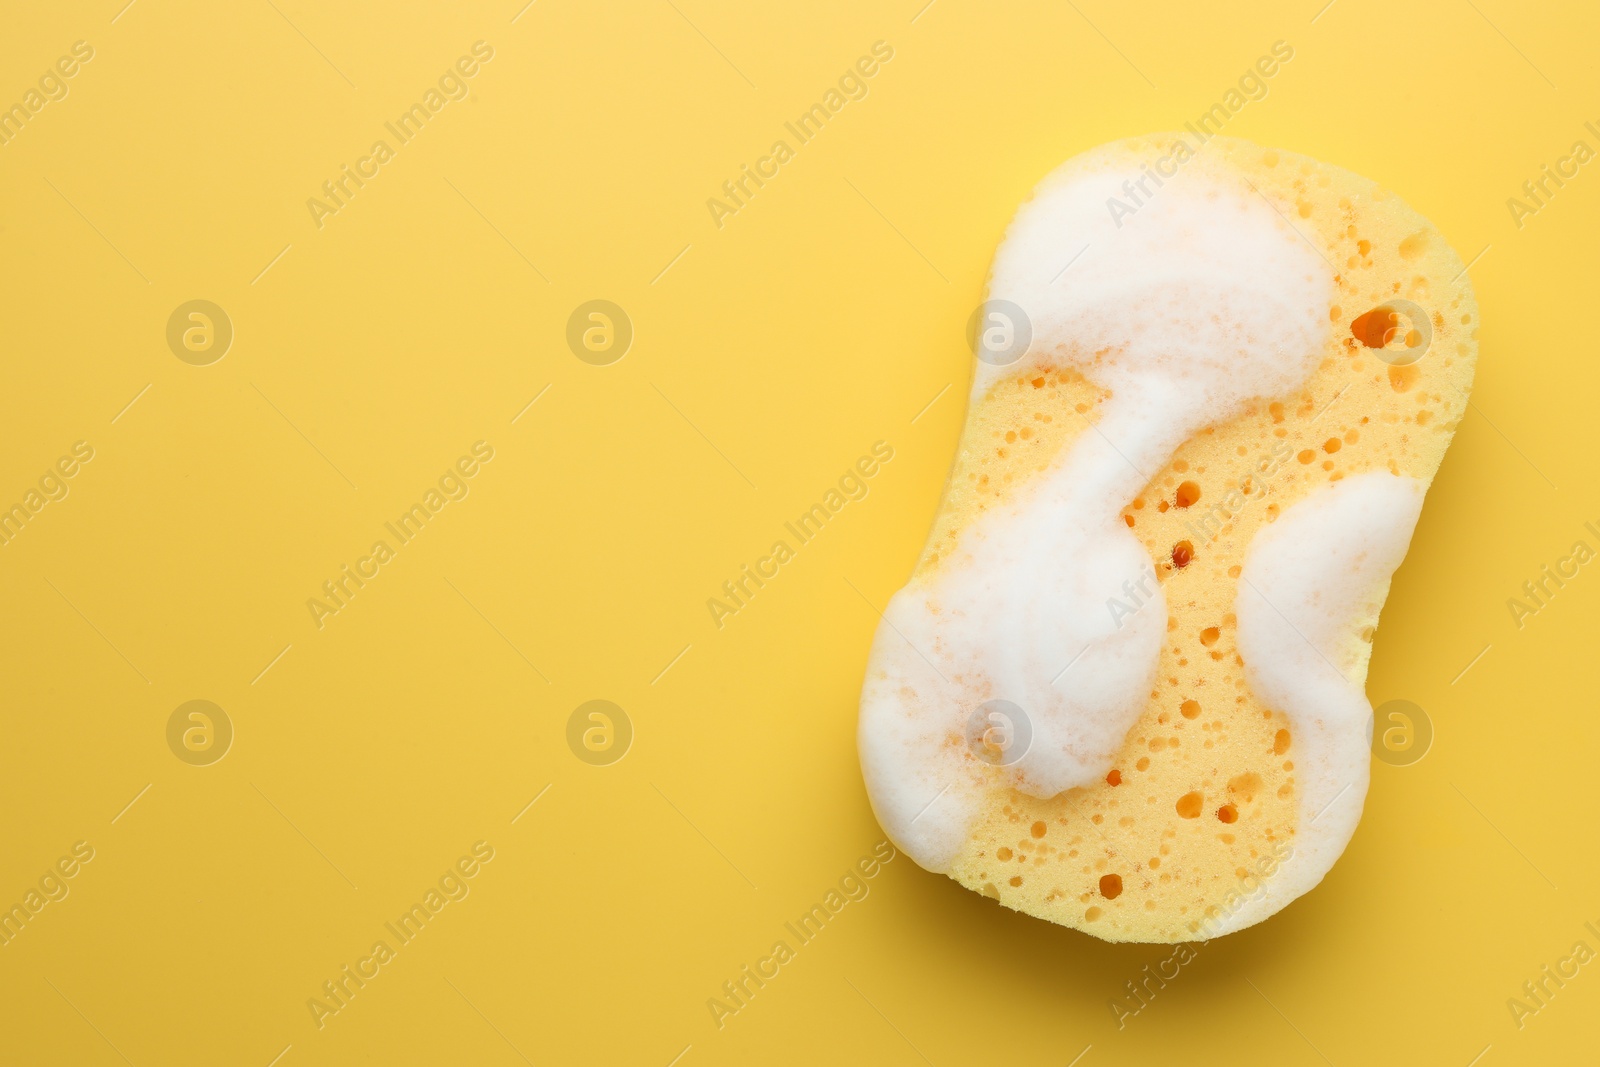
1198 303
1311 583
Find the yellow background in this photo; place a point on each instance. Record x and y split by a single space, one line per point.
821 318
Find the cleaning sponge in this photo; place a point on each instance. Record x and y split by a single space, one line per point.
1123 688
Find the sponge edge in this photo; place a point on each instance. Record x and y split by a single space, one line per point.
1215 809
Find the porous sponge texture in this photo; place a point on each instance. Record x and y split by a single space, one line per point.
1203 791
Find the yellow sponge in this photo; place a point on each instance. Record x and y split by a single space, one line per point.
1190 818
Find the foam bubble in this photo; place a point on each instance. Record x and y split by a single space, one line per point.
1311 583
